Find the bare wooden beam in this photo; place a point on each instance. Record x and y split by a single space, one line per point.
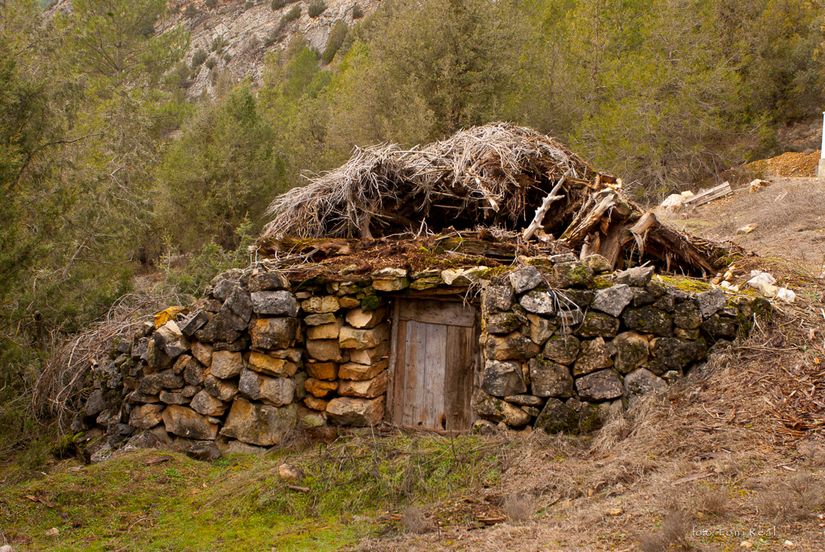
708 195
640 230
584 223
662 241
542 211
613 243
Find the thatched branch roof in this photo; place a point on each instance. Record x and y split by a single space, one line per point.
497 176
493 175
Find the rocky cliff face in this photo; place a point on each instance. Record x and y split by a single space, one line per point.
235 35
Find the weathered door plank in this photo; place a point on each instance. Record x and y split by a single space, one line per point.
458 376
435 352
435 359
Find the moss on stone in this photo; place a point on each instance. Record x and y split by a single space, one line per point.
759 307
572 274
370 302
540 262
426 283
490 272
581 275
310 284
602 282
590 420
686 284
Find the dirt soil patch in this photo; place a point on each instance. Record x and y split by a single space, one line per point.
789 164
788 218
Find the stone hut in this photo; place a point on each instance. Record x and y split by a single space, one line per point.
494 278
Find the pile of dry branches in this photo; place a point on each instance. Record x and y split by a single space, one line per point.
65 380
496 176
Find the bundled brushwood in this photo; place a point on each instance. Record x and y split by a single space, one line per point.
493 175
496 176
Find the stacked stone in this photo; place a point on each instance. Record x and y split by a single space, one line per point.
347 333
562 360
564 342
229 370
253 360
347 350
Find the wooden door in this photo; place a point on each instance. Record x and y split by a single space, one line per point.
436 347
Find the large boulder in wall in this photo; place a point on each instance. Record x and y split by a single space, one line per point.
259 424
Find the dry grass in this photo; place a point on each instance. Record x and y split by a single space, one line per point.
64 382
795 499
812 454
415 520
789 222
519 507
791 207
713 501
674 533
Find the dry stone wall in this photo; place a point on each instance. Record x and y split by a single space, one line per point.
562 344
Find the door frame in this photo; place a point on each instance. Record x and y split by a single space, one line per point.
393 358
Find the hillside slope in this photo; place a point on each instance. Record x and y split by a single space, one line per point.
236 35
789 222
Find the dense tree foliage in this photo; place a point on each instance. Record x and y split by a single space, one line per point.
215 174
107 170
85 114
423 70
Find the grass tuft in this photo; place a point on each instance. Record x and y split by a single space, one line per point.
796 499
713 502
519 507
672 535
414 520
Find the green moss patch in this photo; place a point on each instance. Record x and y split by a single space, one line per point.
684 283
602 282
152 500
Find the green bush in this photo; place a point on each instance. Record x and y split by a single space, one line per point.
357 12
198 58
218 44
291 15
316 8
337 36
216 173
179 75
193 275
272 37
211 3
210 63
277 4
